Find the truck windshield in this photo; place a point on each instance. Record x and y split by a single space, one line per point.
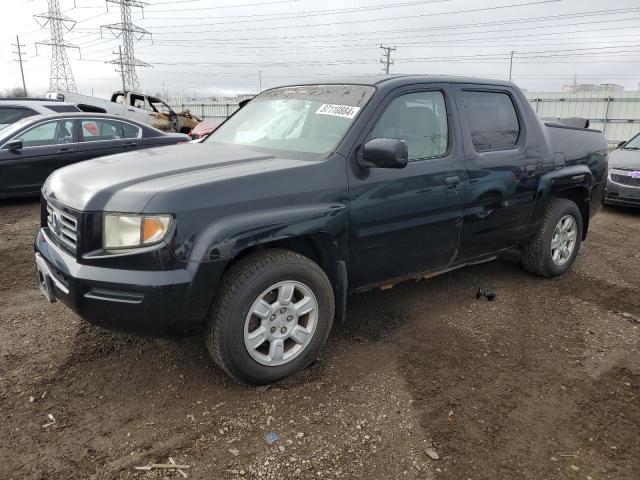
633 144
304 119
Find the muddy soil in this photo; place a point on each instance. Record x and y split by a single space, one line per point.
542 383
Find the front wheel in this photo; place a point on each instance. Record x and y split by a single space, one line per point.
552 251
271 317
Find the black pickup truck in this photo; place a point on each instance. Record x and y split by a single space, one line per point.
307 194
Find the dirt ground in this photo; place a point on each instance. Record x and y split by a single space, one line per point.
542 383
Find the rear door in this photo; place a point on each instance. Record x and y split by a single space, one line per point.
407 221
100 137
503 167
47 146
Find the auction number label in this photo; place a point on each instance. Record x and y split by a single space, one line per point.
344 111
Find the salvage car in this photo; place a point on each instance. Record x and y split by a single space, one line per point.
33 147
14 109
258 239
136 106
623 184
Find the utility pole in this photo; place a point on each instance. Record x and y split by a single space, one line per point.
511 64
124 85
19 52
61 77
259 81
386 59
129 32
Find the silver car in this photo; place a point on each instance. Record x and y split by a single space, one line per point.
623 183
12 110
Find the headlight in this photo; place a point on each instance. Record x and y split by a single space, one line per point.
130 231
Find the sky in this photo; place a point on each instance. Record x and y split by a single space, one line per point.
200 48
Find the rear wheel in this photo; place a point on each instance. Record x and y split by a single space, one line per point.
271 317
552 251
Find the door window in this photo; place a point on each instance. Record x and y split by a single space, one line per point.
96 130
9 115
420 119
492 119
137 101
50 133
130 131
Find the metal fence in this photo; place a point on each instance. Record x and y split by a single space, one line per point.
210 109
616 114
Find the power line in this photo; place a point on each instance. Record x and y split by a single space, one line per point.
19 51
129 32
61 77
350 22
464 26
386 57
309 13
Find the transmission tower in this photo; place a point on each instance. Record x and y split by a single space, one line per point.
129 32
386 58
61 77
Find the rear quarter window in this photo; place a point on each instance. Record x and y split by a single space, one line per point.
9 115
63 108
492 119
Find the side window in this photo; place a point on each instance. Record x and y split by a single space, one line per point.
420 119
492 119
50 133
94 130
9 115
137 101
130 131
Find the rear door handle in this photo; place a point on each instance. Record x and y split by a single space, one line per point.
530 170
64 149
131 144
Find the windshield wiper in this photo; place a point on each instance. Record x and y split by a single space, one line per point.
631 148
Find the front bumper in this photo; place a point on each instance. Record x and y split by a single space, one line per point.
166 303
623 195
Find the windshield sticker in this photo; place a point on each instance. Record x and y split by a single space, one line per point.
344 111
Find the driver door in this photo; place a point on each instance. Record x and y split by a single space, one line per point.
45 148
407 221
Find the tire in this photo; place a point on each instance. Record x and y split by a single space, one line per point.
267 275
538 254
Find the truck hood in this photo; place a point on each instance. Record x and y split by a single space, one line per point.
127 182
625 159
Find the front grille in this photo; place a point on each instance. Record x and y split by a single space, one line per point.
63 225
625 180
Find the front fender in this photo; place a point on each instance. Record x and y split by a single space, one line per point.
226 237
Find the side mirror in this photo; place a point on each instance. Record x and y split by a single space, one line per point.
384 153
620 144
13 146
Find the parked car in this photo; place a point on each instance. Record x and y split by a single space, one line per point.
259 239
204 128
32 148
137 106
14 109
623 184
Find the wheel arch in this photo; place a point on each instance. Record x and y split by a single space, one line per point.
318 232
572 183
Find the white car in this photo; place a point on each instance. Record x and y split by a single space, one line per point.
12 110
